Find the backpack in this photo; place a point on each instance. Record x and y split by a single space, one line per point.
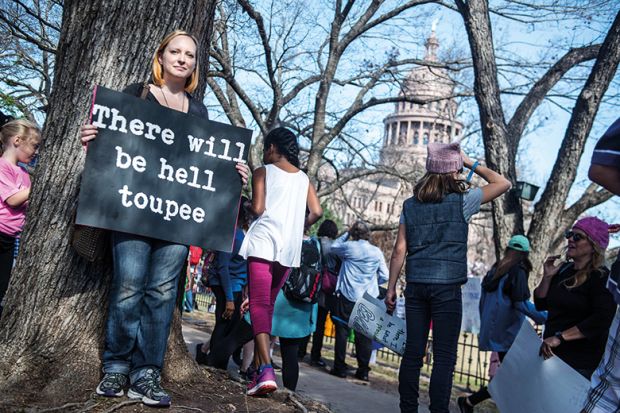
304 283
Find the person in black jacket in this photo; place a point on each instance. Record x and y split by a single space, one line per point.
580 306
146 270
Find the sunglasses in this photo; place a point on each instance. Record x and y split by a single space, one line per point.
575 236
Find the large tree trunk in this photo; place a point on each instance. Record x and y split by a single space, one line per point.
500 156
51 332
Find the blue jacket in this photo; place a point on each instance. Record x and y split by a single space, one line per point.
500 317
230 270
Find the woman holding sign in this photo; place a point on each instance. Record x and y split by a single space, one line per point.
432 236
144 286
280 194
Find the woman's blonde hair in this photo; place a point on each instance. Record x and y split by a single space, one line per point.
19 127
158 71
594 266
433 187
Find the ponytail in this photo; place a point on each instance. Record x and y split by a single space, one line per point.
286 143
18 127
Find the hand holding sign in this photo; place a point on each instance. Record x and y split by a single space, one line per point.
161 173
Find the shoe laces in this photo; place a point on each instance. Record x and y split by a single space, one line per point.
152 380
114 379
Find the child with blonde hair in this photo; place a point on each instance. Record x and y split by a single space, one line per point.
20 140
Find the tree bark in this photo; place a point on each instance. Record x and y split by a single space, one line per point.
553 200
507 211
51 331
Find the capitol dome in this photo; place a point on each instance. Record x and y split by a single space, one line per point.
412 125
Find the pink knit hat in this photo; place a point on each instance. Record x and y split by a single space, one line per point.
596 229
444 158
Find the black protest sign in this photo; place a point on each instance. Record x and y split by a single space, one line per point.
161 173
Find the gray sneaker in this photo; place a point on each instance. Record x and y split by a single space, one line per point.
112 385
148 389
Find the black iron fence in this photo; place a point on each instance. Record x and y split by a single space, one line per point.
472 366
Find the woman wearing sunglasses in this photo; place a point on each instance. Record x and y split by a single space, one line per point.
580 306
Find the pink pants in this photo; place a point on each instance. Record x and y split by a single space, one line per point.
265 281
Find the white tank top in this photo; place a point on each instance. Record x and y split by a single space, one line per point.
277 234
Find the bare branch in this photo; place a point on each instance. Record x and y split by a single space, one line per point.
538 92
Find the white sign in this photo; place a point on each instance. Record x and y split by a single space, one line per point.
471 301
369 317
526 382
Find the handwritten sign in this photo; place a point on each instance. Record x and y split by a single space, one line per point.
525 382
369 317
161 173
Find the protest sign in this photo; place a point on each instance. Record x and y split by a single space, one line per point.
526 382
369 317
161 173
472 290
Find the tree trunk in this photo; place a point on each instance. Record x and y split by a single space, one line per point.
51 331
553 200
500 156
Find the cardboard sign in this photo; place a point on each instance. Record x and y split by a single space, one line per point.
526 382
161 173
369 318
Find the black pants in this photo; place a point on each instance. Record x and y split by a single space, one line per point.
483 394
224 327
363 345
317 337
289 347
441 304
7 249
220 351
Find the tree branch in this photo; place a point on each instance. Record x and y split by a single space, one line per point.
538 92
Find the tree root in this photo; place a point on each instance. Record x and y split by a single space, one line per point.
121 405
194 409
64 407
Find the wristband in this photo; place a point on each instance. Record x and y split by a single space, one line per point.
558 335
471 172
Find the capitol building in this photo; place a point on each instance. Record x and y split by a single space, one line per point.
377 198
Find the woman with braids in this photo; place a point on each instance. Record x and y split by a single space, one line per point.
432 237
272 245
574 293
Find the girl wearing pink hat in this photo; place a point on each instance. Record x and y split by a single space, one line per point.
432 237
574 293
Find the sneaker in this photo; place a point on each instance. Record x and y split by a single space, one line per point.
263 383
318 363
148 389
338 373
463 406
112 385
361 375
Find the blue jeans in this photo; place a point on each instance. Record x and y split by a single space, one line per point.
443 305
141 303
188 302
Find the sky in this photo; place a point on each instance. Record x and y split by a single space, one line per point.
544 41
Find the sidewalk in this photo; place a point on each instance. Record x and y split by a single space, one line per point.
342 396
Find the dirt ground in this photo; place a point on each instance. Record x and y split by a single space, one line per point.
214 392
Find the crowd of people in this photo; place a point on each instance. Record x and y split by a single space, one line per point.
279 281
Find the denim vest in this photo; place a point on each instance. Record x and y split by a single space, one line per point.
436 241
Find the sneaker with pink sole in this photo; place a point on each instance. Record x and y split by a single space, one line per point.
263 382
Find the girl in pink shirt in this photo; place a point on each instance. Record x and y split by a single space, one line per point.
20 141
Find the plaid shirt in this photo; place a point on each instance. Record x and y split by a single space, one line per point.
604 394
